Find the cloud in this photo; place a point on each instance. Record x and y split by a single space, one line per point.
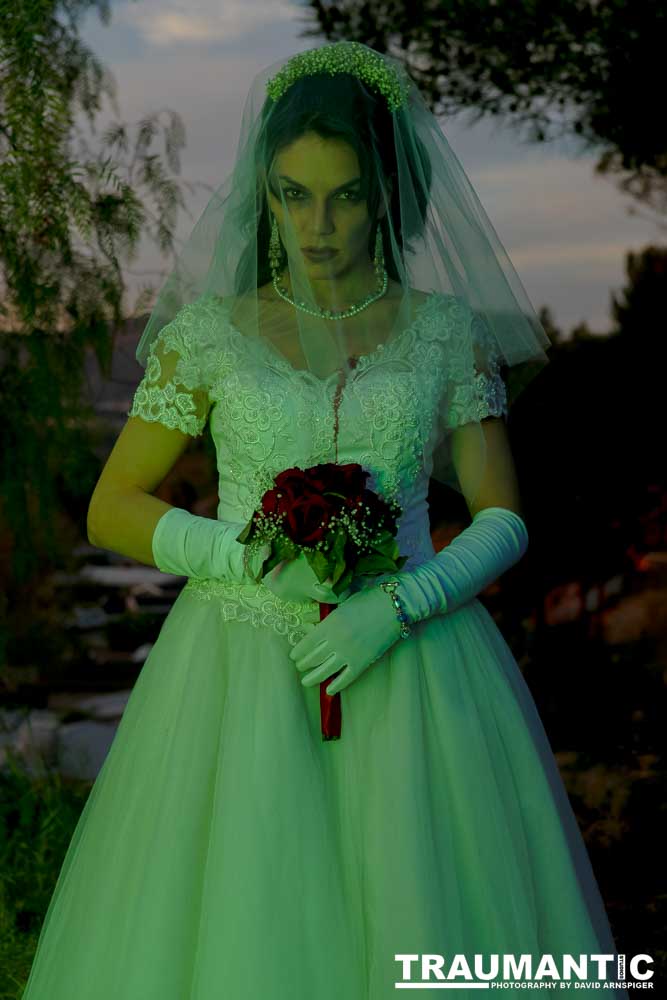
594 256
167 23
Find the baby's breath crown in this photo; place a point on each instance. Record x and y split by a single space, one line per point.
343 57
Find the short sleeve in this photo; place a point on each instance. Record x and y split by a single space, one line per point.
172 390
475 386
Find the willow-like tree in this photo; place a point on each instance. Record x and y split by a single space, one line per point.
70 219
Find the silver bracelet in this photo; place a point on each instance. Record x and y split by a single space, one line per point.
389 587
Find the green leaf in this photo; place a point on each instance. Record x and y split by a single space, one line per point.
270 563
337 555
247 533
320 564
374 564
343 582
330 537
385 542
388 551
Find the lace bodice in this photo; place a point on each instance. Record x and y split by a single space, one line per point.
265 415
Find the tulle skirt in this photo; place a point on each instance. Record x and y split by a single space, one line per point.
227 852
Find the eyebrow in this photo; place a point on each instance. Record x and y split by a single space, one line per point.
341 187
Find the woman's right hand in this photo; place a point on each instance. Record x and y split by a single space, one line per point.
295 580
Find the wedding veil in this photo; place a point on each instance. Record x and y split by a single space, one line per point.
338 153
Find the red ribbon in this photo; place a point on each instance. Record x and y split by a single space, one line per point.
330 713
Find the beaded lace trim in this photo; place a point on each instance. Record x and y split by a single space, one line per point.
258 605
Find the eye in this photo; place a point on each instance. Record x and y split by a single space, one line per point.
293 194
296 194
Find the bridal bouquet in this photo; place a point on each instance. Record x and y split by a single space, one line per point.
343 529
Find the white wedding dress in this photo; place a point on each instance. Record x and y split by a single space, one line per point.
227 852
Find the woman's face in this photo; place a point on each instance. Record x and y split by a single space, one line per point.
316 195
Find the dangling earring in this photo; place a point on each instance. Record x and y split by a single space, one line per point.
275 250
378 259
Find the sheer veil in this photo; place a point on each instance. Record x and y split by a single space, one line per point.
338 153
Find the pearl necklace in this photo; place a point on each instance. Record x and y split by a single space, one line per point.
332 313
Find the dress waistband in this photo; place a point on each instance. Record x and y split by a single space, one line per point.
255 603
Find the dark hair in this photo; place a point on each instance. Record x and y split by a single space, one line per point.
359 117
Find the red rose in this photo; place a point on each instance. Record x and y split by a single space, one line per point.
301 495
308 519
290 486
307 500
293 480
349 479
278 500
271 501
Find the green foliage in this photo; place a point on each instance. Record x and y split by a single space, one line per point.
578 68
642 301
69 218
37 819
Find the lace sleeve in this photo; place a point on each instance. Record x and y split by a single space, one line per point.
476 388
172 390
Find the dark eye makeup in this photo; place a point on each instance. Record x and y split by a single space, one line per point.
294 191
298 194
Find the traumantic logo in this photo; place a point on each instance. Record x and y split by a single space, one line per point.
508 971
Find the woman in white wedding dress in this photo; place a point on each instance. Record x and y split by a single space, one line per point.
226 850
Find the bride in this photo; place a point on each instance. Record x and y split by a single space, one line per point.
343 301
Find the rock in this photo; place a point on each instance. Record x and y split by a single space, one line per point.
33 741
82 748
109 705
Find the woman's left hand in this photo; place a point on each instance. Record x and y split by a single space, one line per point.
353 635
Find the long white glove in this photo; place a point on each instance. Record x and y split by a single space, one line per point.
495 541
188 545
364 626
